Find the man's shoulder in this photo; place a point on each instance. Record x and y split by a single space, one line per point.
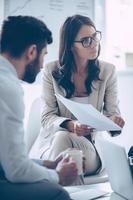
9 85
11 91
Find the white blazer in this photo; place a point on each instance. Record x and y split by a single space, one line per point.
103 98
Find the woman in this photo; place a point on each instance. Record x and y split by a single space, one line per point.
81 77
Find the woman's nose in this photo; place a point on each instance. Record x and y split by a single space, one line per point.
93 44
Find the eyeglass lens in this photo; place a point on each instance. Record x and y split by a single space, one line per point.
88 40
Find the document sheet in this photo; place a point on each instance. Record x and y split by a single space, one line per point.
87 114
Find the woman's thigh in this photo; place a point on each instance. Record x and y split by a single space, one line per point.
64 140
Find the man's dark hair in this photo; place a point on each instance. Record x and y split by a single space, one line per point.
19 32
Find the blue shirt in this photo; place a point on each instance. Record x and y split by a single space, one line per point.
13 155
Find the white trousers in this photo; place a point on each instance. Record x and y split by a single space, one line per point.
63 140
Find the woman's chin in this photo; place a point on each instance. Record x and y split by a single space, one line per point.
92 57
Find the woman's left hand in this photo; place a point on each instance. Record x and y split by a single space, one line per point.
118 120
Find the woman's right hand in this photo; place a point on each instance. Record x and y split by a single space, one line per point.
80 129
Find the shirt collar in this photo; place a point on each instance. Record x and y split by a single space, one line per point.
4 62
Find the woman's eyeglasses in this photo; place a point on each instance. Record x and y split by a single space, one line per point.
87 41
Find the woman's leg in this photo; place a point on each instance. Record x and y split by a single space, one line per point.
61 142
64 140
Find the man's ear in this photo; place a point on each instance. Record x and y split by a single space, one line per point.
31 52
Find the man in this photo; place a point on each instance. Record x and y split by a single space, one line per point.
23 44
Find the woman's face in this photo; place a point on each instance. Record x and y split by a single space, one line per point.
88 52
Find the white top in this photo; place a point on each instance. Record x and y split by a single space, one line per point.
13 155
80 99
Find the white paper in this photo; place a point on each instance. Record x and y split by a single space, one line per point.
87 114
88 194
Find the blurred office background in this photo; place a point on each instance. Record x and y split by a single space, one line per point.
113 18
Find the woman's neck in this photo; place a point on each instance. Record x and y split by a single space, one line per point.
81 65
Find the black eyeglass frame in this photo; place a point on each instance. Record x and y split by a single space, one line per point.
91 39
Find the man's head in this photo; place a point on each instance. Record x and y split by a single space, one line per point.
28 37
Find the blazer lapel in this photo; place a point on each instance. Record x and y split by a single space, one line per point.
62 108
93 97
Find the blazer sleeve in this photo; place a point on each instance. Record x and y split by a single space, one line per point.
51 118
111 102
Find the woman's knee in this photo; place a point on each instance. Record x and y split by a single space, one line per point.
60 143
61 137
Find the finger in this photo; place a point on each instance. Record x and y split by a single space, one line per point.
83 126
78 130
116 120
71 161
75 127
66 158
59 158
72 164
121 123
80 133
119 120
86 127
83 132
88 130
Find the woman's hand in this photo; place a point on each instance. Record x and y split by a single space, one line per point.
80 129
118 120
